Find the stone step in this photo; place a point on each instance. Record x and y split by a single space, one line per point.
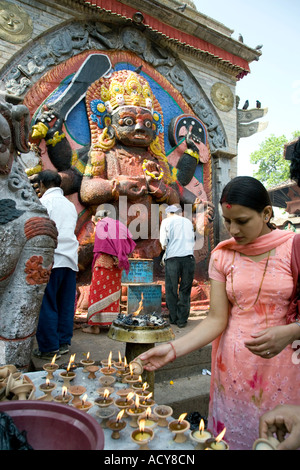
185 395
191 364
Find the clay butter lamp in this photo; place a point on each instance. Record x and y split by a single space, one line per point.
178 427
108 369
84 405
200 436
134 412
50 368
119 364
104 400
217 443
64 397
265 444
86 363
142 436
47 388
76 391
105 390
116 425
146 401
151 419
92 371
138 385
124 402
131 378
123 392
105 414
107 380
137 366
163 412
68 375
22 391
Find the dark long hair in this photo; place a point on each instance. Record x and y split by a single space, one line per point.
248 192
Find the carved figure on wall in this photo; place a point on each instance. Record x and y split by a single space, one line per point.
126 156
28 239
15 24
132 160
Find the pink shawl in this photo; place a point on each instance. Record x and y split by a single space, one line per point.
260 245
113 237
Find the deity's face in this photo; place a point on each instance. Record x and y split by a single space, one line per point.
134 126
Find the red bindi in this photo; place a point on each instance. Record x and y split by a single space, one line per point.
229 206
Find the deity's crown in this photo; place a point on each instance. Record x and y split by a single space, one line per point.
125 87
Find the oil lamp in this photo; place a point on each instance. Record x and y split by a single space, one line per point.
68 375
124 402
178 427
108 369
64 398
151 419
217 443
134 412
84 405
76 391
163 412
266 444
47 388
200 436
87 362
104 400
142 436
116 425
50 367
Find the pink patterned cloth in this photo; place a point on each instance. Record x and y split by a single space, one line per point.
244 385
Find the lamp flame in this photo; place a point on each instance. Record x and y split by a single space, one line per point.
201 426
109 360
137 402
149 396
83 400
87 356
142 425
131 369
129 396
148 412
140 378
145 385
181 417
221 435
125 363
53 359
120 357
72 358
119 415
106 393
64 391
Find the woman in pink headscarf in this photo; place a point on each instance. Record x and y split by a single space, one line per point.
113 245
253 356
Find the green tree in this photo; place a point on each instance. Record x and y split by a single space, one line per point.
272 168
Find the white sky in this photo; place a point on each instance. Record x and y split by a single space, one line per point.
275 78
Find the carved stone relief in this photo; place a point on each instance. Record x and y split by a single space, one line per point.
15 24
222 96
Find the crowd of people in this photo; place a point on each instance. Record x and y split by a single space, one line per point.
253 373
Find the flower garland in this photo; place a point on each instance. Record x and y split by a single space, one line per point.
149 173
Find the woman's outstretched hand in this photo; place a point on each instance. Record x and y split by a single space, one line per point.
158 357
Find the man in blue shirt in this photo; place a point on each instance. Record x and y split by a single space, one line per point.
177 238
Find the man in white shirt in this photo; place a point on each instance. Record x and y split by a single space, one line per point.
177 238
55 326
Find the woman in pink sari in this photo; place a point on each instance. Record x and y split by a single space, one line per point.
113 245
253 369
